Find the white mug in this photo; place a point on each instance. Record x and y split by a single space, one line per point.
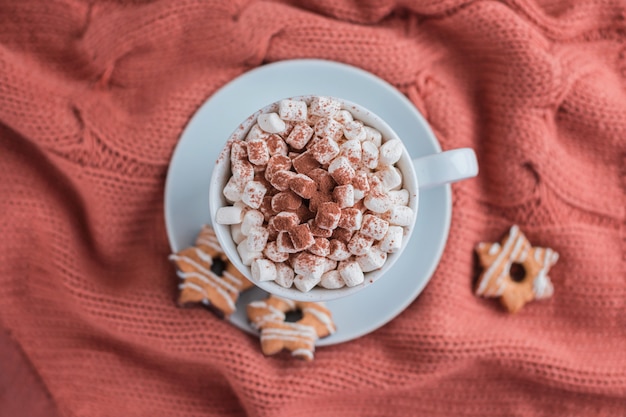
425 172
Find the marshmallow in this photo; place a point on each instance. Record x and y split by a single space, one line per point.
300 136
392 241
266 208
253 194
324 106
272 253
292 110
377 199
372 260
280 180
390 152
319 232
324 150
284 275
400 216
327 127
312 119
229 215
263 270
321 247
361 185
246 255
329 265
342 235
341 170
271 123
351 149
358 195
257 239
286 200
235 232
243 171
378 203
354 130
305 163
399 197
306 283
332 280
344 195
233 190
325 183
360 244
338 251
243 206
276 145
373 135
252 218
256 133
351 273
301 237
390 177
275 164
374 227
258 154
284 221
369 154
343 116
309 265
351 219
238 151
302 185
284 243
328 215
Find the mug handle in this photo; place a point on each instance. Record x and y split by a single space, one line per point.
445 167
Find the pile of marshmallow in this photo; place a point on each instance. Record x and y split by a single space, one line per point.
316 197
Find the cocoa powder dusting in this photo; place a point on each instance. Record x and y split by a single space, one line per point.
323 179
303 186
318 232
342 235
304 163
275 164
286 201
301 237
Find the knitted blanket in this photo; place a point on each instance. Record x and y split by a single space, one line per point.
93 98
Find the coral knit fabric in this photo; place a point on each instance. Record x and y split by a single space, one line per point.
93 98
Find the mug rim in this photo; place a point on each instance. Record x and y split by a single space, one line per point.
221 173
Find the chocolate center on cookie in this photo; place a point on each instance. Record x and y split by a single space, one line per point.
518 272
293 316
218 267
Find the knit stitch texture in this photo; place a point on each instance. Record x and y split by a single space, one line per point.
94 96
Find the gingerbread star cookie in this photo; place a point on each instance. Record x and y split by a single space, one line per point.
497 261
207 275
268 316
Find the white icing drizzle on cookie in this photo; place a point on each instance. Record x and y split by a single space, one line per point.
207 238
542 286
273 314
205 275
321 317
227 275
514 236
186 284
494 249
296 333
303 352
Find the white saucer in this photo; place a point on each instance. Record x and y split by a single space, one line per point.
187 184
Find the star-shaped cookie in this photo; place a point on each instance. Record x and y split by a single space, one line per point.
497 260
207 276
